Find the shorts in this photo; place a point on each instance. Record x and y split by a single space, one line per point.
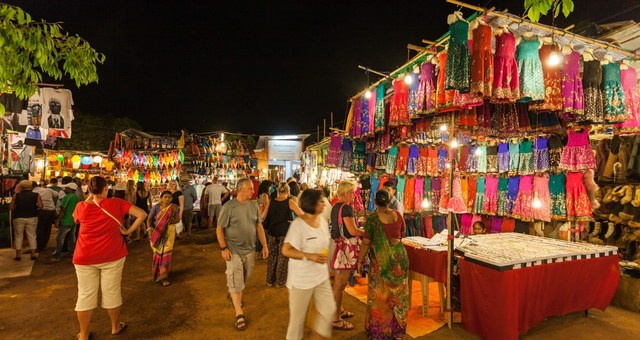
214 211
106 277
239 270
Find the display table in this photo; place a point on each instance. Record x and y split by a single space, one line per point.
427 266
502 299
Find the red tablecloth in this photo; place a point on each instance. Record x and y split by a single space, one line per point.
427 262
503 305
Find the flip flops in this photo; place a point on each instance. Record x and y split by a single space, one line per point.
123 327
345 314
241 322
342 325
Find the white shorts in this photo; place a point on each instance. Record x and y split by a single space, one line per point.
106 277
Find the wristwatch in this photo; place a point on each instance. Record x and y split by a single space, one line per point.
224 248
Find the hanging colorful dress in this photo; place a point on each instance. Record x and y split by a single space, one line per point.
456 204
614 108
506 85
552 84
482 62
530 70
427 89
592 90
444 98
629 79
346 155
577 154
334 150
413 96
356 116
458 60
371 128
541 192
358 165
557 187
572 94
379 116
578 205
364 118
523 209
399 104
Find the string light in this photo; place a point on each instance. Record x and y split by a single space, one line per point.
554 57
367 94
222 137
443 127
454 144
426 204
408 79
478 152
537 204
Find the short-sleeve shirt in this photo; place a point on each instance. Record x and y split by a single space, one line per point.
347 211
239 221
176 195
48 197
99 238
307 239
69 203
215 192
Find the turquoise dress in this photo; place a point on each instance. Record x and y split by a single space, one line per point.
614 108
458 69
530 71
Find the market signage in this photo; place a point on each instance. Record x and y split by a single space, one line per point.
285 150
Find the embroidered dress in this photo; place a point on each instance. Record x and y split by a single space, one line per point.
388 288
403 159
558 196
413 160
418 191
456 204
578 206
427 89
444 98
358 164
572 96
525 167
490 204
409 194
506 85
614 108
503 187
423 156
482 159
514 158
391 160
530 71
577 154
445 193
479 201
334 150
381 161
364 118
432 161
512 194
413 96
435 192
400 189
458 60
629 79
492 158
541 192
472 187
427 190
346 155
356 116
541 155
592 89
399 104
504 118
464 189
482 62
443 156
472 159
552 84
503 157
379 115
555 151
523 209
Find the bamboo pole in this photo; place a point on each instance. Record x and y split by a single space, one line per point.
324 128
451 231
331 126
415 47
372 71
553 30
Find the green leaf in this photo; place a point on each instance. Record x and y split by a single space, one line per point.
534 14
567 7
1 110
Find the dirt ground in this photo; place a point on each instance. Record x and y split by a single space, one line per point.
40 306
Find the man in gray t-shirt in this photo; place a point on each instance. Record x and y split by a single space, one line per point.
237 226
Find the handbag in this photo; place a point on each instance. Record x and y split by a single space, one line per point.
345 256
179 227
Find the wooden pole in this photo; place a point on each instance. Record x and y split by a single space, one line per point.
324 128
451 231
318 135
372 71
553 30
415 47
331 126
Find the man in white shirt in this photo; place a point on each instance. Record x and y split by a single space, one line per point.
214 194
46 215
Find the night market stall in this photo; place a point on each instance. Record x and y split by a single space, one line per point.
507 137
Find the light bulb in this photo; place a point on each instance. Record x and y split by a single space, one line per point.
454 144
264 170
447 165
554 58
537 204
478 151
367 94
222 137
426 204
443 127
408 79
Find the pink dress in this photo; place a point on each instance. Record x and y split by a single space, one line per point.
506 86
490 204
356 127
427 89
522 209
456 204
334 150
572 96
578 206
629 78
541 192
577 154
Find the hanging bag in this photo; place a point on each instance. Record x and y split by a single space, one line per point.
345 256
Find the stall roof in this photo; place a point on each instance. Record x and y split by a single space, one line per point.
323 144
262 140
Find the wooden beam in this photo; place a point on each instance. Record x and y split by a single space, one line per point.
415 47
373 71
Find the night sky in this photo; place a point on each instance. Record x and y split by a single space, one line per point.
264 67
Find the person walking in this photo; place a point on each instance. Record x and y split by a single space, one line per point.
388 293
214 194
238 225
279 217
64 221
100 254
162 235
306 245
190 196
25 205
46 215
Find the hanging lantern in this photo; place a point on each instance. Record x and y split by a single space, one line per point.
60 158
97 161
86 161
75 162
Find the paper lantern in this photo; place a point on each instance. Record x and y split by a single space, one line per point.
86 161
97 160
60 157
53 160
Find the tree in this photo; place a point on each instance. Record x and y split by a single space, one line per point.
537 8
29 49
94 133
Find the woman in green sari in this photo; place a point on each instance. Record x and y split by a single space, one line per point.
162 234
388 295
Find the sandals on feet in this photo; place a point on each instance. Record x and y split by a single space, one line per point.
241 322
123 327
91 336
345 314
342 325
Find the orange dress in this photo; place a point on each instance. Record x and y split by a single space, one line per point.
482 62
552 84
444 98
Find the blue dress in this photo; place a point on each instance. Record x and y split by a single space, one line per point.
530 71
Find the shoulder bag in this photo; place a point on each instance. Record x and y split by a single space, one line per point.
345 256
123 230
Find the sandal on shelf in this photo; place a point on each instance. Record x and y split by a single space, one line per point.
345 314
342 325
123 327
241 322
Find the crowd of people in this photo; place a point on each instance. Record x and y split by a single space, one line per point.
293 226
